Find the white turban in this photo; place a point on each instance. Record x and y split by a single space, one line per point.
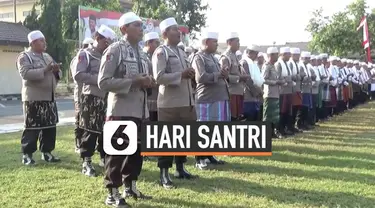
35 35
167 23
128 18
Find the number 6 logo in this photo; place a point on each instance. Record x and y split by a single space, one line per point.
120 137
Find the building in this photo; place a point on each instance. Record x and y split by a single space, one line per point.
23 9
13 40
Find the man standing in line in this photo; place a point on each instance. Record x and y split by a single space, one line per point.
306 90
175 99
286 91
297 96
77 95
229 61
124 75
326 95
212 93
253 86
40 74
93 103
271 110
315 77
152 41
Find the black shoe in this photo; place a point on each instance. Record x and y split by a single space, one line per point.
48 157
201 164
215 161
296 130
132 191
278 135
165 179
182 173
289 132
87 168
27 159
115 199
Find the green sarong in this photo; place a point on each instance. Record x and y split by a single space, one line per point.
319 102
271 110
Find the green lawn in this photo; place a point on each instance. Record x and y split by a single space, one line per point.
332 166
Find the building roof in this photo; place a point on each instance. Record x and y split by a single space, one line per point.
13 34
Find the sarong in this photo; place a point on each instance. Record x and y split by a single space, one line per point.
297 99
326 93
236 105
40 114
217 111
351 93
333 99
319 101
339 93
251 107
307 100
286 103
92 113
271 110
345 93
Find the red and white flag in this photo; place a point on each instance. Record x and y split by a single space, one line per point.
366 39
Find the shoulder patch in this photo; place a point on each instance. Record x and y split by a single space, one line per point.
109 57
159 52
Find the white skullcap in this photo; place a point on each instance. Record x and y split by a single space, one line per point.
210 35
238 53
88 41
363 64
295 51
350 61
253 48
232 35
272 50
106 32
333 58
151 36
260 54
324 55
343 60
35 35
356 62
313 57
180 44
188 50
128 18
284 50
167 23
305 54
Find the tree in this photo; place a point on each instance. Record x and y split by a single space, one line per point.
337 35
50 25
187 12
31 21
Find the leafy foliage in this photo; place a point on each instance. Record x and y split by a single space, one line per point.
187 12
31 21
337 35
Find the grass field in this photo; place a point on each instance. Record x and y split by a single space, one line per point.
332 166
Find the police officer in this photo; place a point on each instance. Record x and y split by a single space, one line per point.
152 40
124 74
175 99
93 104
77 94
40 74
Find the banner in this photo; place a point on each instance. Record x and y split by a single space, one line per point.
90 19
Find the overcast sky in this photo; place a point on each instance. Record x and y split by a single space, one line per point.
265 21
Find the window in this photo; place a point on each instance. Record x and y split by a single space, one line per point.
27 13
6 15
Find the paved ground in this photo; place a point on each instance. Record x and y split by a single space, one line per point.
11 117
